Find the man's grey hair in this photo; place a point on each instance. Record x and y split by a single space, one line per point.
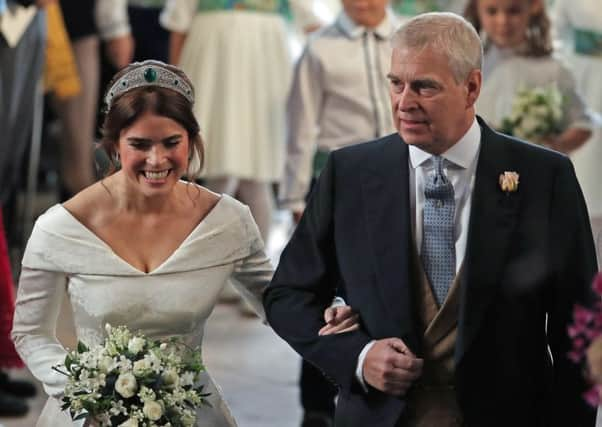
446 33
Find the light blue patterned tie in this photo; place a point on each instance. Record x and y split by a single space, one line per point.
438 252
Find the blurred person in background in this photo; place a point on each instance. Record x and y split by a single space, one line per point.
579 26
518 57
237 55
87 21
20 70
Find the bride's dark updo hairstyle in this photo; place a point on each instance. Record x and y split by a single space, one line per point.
150 87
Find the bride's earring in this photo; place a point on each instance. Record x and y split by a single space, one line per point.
116 158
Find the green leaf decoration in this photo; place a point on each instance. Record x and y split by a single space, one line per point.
81 347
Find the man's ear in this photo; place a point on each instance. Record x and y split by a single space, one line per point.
473 87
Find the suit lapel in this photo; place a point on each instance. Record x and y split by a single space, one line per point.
385 200
492 220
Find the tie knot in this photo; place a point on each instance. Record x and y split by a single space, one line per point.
438 163
439 187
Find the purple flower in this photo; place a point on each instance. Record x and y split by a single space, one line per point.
582 315
576 330
597 285
592 396
575 356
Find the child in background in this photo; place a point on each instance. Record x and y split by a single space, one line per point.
518 56
339 95
579 26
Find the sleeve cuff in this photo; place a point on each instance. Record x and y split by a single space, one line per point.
337 302
359 370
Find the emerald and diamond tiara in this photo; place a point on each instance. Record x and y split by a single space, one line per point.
149 73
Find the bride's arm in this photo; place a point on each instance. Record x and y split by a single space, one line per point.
38 304
252 275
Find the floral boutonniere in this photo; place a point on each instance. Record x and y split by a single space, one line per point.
509 182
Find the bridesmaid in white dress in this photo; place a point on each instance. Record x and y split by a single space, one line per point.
237 54
518 54
141 248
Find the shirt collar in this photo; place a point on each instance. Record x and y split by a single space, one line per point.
384 30
461 154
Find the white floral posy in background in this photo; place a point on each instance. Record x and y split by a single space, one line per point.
536 114
132 381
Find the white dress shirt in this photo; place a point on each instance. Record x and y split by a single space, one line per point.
339 97
460 164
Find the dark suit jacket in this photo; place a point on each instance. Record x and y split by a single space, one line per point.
530 256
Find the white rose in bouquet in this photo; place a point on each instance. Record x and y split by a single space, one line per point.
153 410
141 367
106 364
126 385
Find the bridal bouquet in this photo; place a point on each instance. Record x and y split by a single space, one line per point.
585 330
133 381
536 114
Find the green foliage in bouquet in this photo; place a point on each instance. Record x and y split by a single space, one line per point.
132 381
536 114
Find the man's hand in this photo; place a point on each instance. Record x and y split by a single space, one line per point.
391 367
120 51
339 319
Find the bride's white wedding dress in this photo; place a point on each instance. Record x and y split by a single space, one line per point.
63 257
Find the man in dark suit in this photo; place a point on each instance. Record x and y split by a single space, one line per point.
462 250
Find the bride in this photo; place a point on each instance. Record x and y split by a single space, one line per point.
140 248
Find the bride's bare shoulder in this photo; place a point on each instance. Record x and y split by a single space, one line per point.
91 203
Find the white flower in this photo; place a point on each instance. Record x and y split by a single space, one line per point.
119 337
153 410
111 348
170 378
135 345
76 405
141 367
106 364
154 361
187 378
527 126
124 364
131 422
188 419
126 385
540 112
146 393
